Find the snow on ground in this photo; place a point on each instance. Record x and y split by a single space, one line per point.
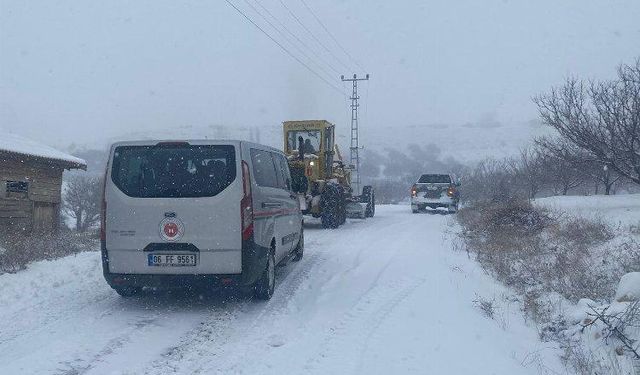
616 209
388 295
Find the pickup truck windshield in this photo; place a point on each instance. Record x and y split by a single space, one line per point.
434 179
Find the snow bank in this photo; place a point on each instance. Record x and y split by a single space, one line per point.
20 145
623 209
605 328
629 288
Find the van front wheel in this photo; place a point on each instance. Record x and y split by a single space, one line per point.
266 284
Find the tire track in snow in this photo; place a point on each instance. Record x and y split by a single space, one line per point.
210 338
381 315
373 305
79 365
371 311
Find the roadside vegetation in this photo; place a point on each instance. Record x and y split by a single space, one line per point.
577 278
566 271
18 250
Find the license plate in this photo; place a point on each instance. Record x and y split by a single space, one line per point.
171 260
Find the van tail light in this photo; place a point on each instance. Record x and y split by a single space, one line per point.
246 204
451 191
414 191
103 211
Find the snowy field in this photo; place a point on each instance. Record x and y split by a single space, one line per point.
388 295
621 209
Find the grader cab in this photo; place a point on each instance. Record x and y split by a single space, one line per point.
319 175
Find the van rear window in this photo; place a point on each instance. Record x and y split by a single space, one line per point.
173 170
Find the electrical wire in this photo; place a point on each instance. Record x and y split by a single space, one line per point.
330 34
313 35
303 53
283 47
305 45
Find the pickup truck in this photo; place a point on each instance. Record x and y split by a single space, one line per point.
434 191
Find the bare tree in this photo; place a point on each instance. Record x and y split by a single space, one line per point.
492 180
573 166
601 174
563 164
82 200
531 170
600 118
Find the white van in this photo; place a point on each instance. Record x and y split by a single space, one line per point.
197 213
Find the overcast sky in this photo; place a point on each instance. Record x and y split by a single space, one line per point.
80 71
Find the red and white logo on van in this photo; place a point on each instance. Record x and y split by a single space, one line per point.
171 229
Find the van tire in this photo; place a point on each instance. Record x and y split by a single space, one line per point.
128 291
299 250
265 285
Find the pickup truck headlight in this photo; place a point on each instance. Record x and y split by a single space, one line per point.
450 192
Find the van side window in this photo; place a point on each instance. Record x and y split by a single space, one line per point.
264 169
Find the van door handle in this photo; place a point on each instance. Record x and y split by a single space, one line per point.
271 204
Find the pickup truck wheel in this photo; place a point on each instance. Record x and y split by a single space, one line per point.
128 291
299 250
266 284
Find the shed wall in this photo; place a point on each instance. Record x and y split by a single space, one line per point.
38 209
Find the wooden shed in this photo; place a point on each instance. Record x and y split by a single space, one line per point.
31 184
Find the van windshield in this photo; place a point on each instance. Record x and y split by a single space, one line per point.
434 179
173 171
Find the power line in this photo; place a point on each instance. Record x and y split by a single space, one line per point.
330 34
313 35
283 48
303 53
297 38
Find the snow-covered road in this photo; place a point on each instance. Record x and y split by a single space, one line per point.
387 295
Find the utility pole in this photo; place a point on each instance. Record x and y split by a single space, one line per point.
355 146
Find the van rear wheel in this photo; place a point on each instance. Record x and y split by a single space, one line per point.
266 284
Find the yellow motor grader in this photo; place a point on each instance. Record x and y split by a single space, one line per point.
319 175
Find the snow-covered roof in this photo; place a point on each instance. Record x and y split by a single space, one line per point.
16 144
